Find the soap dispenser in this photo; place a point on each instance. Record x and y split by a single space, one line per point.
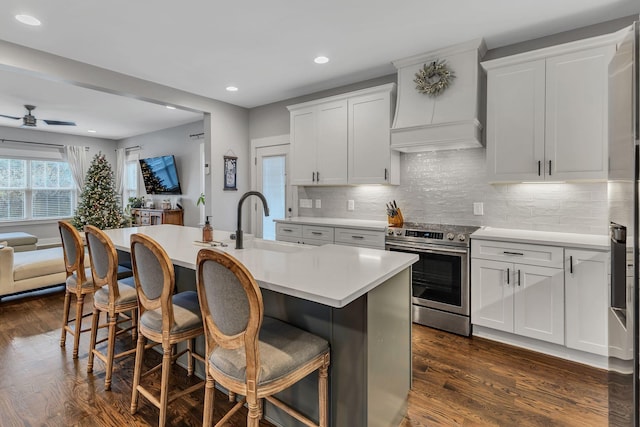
207 231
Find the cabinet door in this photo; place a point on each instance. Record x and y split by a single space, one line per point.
303 146
492 294
587 300
539 302
331 151
515 122
369 138
576 114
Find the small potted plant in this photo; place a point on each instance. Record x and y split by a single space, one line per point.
201 200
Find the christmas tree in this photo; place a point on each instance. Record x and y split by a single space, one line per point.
98 203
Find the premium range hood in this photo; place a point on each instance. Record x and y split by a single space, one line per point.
451 120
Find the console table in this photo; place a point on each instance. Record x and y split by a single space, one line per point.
143 216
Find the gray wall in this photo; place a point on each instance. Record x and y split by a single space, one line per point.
47 230
175 141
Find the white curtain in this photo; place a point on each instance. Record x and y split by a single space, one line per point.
76 156
120 169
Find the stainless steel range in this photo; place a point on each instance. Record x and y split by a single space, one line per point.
440 279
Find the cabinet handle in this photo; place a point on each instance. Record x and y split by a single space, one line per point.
313 177
357 237
316 233
539 163
385 174
518 277
512 253
288 230
571 264
549 167
317 176
508 274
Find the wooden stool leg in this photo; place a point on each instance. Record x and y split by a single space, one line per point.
323 393
209 400
164 385
253 415
65 317
134 323
190 358
137 373
76 333
95 319
111 346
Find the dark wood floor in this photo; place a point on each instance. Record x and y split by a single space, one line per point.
457 381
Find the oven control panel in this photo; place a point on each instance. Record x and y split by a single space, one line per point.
424 234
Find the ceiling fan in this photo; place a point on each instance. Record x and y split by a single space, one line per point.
30 121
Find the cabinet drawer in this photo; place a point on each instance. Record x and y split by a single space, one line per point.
317 233
546 256
288 230
356 237
145 213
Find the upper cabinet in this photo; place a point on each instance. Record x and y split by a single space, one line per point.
344 139
547 113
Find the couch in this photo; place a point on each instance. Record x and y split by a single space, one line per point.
25 271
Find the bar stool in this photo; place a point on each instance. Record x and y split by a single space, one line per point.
247 353
79 283
111 296
163 318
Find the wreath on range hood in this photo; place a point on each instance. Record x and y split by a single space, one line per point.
434 78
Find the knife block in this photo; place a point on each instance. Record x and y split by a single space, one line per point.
396 221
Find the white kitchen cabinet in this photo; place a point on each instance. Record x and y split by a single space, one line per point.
319 144
547 113
518 288
587 300
317 235
344 139
371 161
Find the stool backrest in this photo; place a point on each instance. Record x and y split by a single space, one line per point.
231 304
154 276
104 261
73 250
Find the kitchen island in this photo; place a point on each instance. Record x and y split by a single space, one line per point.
359 299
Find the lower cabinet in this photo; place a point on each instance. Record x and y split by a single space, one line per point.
549 293
523 299
320 235
587 308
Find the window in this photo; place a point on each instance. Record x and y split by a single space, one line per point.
35 189
130 178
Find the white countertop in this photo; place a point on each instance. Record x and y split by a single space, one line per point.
361 224
333 275
574 240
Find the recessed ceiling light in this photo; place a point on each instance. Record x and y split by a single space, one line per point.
91 131
232 88
28 20
170 107
321 60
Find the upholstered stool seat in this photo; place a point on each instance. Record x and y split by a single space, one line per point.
20 241
127 288
186 314
282 349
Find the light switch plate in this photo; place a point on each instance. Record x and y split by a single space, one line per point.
306 203
478 208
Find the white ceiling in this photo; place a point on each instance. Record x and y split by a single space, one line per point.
265 48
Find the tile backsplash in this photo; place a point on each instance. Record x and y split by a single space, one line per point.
442 186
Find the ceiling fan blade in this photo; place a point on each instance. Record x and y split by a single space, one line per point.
59 123
10 117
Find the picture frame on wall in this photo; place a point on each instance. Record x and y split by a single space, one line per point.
230 173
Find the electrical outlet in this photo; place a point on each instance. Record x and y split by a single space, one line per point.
351 205
318 203
478 208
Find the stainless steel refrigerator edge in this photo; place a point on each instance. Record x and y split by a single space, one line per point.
622 190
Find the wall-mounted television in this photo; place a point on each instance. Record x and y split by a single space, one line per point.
160 175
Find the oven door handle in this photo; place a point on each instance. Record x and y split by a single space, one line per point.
422 249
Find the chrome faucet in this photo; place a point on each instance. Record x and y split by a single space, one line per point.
239 229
